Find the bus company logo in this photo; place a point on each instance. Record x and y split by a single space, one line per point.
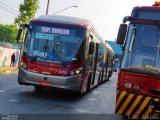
45 78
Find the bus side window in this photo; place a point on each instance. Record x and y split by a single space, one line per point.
100 61
91 46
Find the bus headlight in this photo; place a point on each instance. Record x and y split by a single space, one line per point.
23 65
127 85
136 87
76 71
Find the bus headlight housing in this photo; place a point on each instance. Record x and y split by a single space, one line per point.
76 71
136 87
127 85
23 65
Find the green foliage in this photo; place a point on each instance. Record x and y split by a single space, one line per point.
27 11
8 33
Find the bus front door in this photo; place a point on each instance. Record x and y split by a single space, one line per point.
95 74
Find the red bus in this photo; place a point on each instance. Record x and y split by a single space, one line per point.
138 86
63 52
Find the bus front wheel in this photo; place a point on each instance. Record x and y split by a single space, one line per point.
38 88
88 87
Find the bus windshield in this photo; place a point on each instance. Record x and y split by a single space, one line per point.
53 43
142 47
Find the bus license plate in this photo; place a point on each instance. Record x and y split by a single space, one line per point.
43 83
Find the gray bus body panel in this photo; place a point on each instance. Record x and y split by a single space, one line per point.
30 78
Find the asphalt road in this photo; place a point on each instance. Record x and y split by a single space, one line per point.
20 101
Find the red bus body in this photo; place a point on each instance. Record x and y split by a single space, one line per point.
61 34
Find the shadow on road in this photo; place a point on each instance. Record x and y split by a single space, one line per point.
52 94
57 94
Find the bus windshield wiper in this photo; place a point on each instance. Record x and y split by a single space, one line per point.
34 59
133 38
151 68
147 68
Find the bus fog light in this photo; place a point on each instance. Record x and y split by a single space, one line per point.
127 85
22 64
136 87
71 73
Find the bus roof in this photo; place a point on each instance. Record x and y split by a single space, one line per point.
64 20
146 13
156 8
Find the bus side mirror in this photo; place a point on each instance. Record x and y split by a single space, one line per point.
20 30
122 34
19 34
127 18
91 48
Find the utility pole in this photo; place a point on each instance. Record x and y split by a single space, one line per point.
47 7
65 9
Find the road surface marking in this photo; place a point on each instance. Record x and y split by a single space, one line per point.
91 99
2 91
80 110
13 100
95 92
113 84
114 76
102 88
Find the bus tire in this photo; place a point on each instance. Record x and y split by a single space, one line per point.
125 118
88 87
37 88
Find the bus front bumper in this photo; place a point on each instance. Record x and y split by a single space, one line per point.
72 83
128 104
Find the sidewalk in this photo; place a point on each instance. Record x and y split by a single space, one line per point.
8 70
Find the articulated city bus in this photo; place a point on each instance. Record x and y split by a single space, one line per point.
138 86
63 52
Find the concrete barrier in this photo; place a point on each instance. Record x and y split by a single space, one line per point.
5 56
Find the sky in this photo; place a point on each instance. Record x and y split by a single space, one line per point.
106 15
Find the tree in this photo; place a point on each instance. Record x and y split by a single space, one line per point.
8 33
27 11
